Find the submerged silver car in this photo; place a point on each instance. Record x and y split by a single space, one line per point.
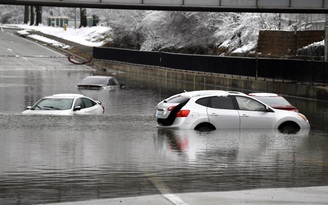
99 82
215 109
65 104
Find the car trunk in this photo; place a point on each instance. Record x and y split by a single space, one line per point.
170 119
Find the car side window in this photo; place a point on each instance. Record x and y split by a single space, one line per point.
203 101
111 82
79 102
246 103
88 102
222 102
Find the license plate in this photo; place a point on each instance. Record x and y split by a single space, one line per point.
159 113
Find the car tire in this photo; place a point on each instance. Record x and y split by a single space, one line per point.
289 128
205 127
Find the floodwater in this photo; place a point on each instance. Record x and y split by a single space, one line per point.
47 159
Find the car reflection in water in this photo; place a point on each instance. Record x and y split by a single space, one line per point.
227 146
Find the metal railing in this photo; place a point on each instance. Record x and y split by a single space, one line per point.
292 71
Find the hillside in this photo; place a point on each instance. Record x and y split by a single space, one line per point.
186 32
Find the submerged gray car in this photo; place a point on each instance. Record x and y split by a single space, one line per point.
99 82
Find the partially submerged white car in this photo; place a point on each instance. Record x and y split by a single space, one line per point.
215 109
65 104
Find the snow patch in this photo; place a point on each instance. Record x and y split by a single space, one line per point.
87 36
49 41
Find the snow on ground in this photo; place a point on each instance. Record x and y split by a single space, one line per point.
49 41
100 35
316 44
88 36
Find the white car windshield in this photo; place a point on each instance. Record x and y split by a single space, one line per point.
53 104
249 104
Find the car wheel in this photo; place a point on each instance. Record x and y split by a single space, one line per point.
289 128
205 127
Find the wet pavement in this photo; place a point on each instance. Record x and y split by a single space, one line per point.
281 196
53 159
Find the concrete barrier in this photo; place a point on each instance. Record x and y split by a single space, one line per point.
250 84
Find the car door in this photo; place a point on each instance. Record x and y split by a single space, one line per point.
254 115
222 113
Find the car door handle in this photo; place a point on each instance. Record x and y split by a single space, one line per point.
214 115
244 115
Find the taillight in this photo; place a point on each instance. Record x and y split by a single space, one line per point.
183 113
170 108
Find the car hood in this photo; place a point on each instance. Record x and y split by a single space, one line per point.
48 112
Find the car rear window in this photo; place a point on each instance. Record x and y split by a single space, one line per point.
177 99
96 81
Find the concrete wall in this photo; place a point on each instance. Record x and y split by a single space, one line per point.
236 82
283 43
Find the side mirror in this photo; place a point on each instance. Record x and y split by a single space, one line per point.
268 109
28 107
77 108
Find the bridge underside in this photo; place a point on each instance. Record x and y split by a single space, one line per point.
260 6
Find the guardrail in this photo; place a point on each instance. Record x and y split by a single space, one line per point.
294 71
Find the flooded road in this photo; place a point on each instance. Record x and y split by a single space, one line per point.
56 159
48 159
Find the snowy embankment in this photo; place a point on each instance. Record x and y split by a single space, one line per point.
91 36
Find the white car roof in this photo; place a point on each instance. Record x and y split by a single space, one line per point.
209 93
263 94
99 76
65 95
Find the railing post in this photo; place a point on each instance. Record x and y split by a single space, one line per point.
326 39
325 74
257 66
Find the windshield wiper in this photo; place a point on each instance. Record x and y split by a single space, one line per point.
51 107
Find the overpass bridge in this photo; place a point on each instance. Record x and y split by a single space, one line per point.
260 6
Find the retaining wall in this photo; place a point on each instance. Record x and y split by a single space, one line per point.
237 82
